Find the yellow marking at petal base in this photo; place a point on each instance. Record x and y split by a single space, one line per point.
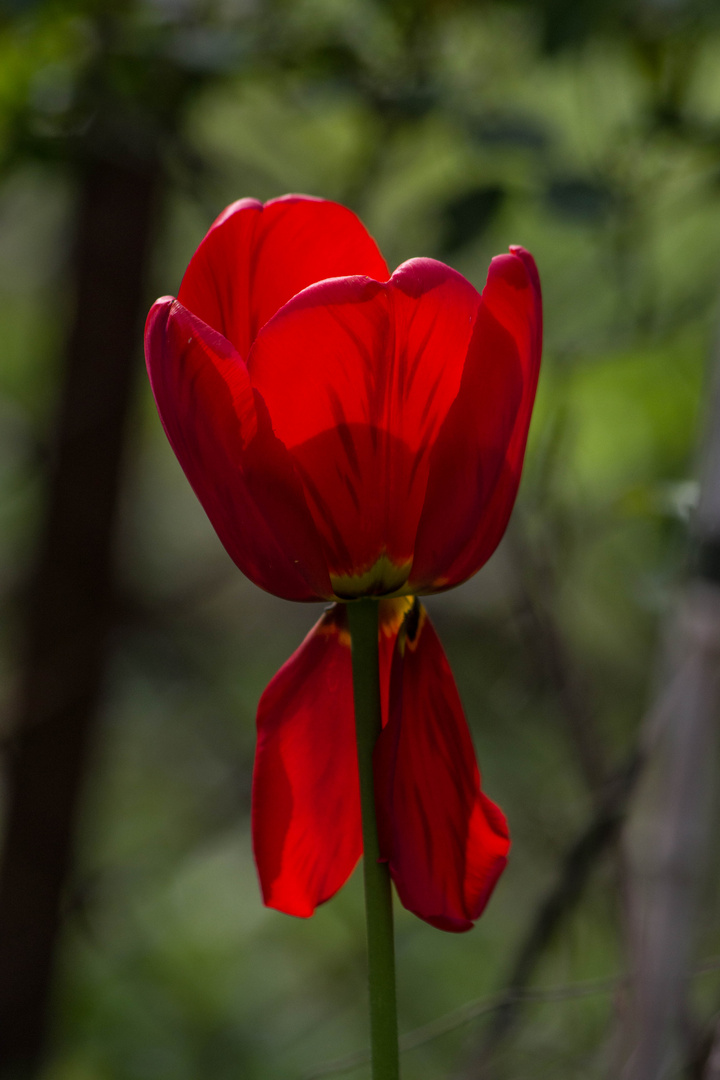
392 614
383 578
412 627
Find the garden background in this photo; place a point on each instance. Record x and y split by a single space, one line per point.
133 942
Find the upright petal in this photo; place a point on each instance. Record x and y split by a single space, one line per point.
446 843
255 257
358 377
477 460
243 476
307 832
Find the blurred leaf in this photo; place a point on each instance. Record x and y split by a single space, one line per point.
510 129
580 199
566 23
468 216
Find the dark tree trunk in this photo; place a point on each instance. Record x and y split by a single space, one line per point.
71 594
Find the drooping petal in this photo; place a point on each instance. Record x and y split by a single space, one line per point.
358 377
307 832
255 257
241 473
477 460
445 842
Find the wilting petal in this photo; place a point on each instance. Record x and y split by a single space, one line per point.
358 377
255 257
477 460
243 476
446 843
307 832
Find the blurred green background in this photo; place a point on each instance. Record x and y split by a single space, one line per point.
588 132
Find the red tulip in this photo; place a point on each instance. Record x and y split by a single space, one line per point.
351 434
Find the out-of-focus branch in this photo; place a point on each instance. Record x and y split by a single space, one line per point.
669 839
538 580
68 620
593 841
71 594
669 828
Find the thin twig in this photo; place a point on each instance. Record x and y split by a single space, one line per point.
473 1010
538 579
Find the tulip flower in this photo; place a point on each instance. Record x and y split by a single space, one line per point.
351 434
354 434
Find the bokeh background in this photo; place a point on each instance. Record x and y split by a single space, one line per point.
133 942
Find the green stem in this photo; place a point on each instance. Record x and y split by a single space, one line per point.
363 620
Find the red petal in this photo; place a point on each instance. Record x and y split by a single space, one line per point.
245 479
477 461
307 833
446 843
255 257
358 378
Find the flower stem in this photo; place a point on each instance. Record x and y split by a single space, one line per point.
363 621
